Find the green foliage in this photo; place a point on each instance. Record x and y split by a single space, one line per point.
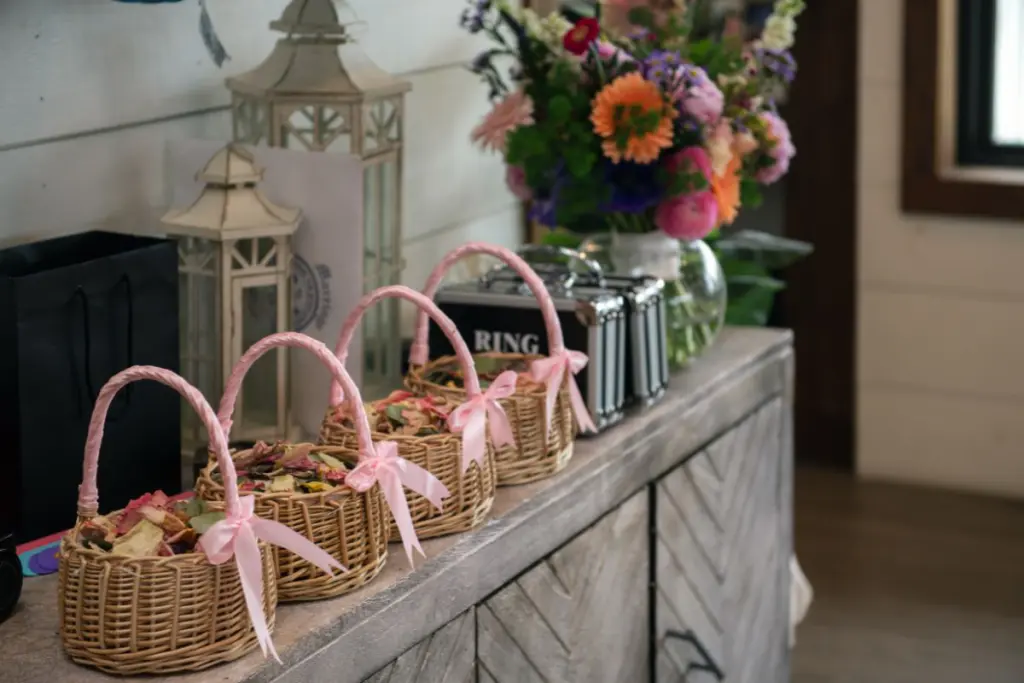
750 192
749 260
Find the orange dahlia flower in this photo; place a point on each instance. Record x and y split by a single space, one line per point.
613 113
727 191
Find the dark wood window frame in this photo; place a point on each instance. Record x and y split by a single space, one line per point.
990 192
976 85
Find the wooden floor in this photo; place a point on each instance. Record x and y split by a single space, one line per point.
911 585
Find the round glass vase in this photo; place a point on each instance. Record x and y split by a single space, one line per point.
695 292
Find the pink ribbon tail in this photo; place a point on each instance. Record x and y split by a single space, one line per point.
579 408
474 435
552 371
280 535
391 487
250 573
501 428
236 536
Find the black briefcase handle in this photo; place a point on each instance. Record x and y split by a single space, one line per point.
707 663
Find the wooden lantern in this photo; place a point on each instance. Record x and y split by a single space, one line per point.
318 91
234 256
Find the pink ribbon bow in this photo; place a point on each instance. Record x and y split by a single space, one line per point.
236 537
471 419
393 471
552 371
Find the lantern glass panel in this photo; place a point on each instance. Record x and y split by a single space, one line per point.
250 120
200 329
256 316
381 266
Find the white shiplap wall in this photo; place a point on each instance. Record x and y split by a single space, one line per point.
92 90
941 310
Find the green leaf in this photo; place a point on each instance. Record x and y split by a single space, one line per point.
487 365
202 523
750 309
750 193
580 162
562 238
771 252
559 110
394 413
194 507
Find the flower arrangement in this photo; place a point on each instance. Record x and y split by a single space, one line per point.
662 129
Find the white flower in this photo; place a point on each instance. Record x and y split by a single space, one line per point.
726 80
552 29
532 24
779 32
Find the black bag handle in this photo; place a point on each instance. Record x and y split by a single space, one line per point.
708 664
80 296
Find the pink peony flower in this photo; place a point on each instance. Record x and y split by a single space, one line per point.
690 160
688 217
515 178
607 51
512 112
704 101
782 150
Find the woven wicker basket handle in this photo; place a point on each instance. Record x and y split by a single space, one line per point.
319 349
420 349
88 495
427 308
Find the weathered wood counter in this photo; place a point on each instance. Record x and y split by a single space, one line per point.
678 520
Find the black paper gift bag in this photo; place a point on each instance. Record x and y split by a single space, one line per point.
74 311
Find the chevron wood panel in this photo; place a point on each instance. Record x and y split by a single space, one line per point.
580 615
446 656
719 555
756 587
689 556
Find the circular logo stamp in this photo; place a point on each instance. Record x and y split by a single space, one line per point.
311 294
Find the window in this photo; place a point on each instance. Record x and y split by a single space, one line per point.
990 83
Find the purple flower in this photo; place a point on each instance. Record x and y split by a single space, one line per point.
634 187
661 66
777 63
543 211
473 17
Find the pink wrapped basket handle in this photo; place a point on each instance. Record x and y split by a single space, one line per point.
323 354
88 495
427 308
420 350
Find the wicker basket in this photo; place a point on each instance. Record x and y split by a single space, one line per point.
351 526
471 485
538 452
152 615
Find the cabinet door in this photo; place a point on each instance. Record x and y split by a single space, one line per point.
689 557
578 616
446 656
722 559
758 544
